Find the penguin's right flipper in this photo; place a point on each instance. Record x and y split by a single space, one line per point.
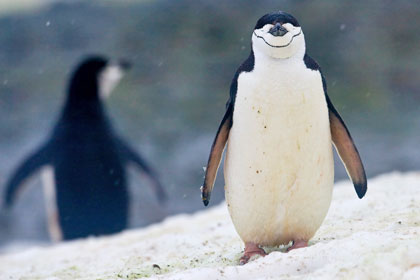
132 156
216 154
27 167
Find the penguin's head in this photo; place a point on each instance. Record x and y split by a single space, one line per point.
110 75
97 75
278 35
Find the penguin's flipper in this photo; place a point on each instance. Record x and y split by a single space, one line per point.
27 167
216 154
132 156
347 150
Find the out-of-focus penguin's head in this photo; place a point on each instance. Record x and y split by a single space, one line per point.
98 75
110 76
278 35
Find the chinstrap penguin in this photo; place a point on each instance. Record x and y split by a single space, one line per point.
84 161
278 126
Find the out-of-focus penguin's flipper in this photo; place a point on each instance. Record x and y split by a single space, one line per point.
27 167
216 154
347 150
132 156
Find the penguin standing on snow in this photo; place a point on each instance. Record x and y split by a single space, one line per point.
85 184
279 169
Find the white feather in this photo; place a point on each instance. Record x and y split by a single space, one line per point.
48 180
109 79
279 168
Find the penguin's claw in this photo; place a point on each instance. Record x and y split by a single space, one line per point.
244 259
298 244
251 249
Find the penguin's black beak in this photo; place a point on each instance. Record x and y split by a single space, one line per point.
124 64
278 30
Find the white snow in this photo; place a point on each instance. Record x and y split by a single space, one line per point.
377 237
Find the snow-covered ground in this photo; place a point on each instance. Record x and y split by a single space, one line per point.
377 237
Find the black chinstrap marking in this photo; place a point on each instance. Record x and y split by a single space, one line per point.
288 44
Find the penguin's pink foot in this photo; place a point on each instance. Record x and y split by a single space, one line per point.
251 249
298 244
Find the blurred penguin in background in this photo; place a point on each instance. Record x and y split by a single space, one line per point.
83 161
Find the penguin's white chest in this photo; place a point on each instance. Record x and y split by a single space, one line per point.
279 168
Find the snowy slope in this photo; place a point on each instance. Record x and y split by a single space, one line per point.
374 238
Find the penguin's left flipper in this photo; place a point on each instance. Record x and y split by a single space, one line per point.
31 164
347 150
131 155
216 154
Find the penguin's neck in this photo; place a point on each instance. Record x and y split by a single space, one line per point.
83 102
280 77
268 65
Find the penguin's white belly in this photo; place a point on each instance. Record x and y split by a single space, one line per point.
279 168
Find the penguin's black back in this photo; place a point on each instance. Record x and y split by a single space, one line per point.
88 160
91 191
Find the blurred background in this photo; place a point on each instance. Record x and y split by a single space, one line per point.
185 53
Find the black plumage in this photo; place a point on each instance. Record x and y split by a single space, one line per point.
89 161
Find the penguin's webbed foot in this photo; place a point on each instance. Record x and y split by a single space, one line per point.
298 244
251 249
